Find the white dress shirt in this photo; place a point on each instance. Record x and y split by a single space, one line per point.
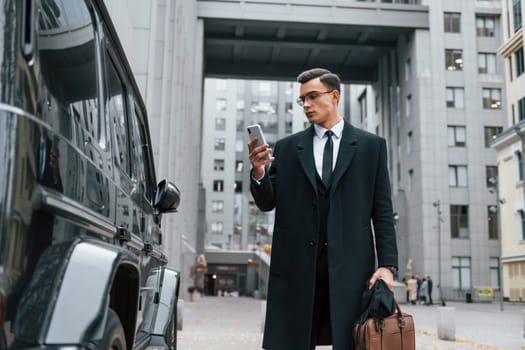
320 141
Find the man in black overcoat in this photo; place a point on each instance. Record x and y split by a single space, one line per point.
331 194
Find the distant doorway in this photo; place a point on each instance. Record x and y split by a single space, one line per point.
221 285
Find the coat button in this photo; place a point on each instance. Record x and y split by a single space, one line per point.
312 243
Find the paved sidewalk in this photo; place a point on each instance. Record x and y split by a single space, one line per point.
225 323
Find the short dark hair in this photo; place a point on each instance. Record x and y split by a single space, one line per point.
326 77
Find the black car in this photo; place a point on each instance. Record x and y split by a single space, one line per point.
81 264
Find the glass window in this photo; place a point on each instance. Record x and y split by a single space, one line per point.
491 98
487 63
516 10
362 107
491 171
461 272
139 156
522 221
116 107
220 144
239 125
217 227
490 133
521 108
288 118
288 107
217 206
239 166
457 175
492 220
452 22
519 62
485 25
455 97
218 164
519 164
511 68
218 185
408 69
453 59
63 62
237 187
459 227
61 14
409 142
408 104
237 228
220 123
220 104
456 136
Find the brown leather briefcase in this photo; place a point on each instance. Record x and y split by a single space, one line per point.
395 332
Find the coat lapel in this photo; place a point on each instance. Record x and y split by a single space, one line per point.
347 150
305 152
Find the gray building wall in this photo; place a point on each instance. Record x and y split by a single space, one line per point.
245 103
413 116
410 112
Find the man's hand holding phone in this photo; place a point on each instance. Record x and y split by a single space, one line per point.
259 151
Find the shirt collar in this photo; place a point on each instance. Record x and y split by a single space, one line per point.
337 129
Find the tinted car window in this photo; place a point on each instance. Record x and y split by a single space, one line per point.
66 53
137 154
116 108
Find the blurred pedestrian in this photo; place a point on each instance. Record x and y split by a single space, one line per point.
429 288
412 290
423 291
418 281
407 293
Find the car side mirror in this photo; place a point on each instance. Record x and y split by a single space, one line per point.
167 197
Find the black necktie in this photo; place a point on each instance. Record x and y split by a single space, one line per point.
327 158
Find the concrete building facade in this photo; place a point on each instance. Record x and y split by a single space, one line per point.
510 146
448 105
438 101
233 222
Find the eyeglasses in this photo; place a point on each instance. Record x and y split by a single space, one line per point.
312 95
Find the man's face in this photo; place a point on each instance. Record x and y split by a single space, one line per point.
320 105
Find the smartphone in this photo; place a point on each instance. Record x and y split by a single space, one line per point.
256 131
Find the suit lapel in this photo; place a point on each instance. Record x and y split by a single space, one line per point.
305 152
347 149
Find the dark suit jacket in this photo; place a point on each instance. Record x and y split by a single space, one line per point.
360 196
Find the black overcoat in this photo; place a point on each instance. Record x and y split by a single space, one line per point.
360 200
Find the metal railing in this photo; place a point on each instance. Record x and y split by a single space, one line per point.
452 294
325 3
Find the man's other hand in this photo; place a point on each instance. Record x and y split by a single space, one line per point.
384 274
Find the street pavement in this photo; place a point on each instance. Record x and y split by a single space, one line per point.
228 323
